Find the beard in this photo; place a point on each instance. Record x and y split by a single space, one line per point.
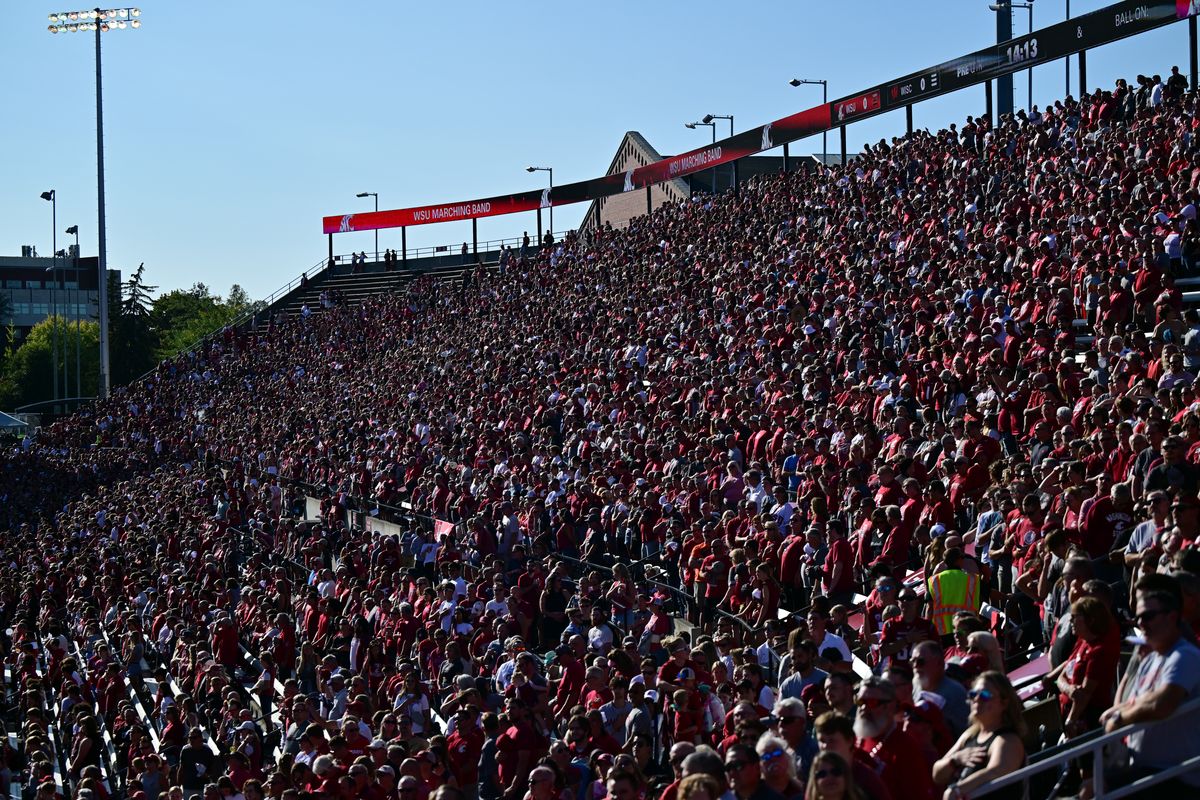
865 728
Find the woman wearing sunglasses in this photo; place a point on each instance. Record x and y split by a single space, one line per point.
830 779
991 747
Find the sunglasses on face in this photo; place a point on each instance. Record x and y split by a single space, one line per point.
790 720
829 772
734 766
982 695
1146 616
871 703
771 756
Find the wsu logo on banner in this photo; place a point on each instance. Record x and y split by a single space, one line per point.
345 226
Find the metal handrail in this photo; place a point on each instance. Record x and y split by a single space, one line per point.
312 273
1095 748
436 251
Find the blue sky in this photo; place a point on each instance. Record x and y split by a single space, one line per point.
231 128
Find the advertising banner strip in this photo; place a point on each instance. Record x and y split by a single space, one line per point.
1117 21
748 142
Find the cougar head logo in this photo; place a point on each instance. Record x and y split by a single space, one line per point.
628 180
345 226
766 137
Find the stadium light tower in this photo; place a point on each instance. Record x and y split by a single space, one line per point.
710 117
74 230
709 124
1006 7
824 100
51 197
376 196
99 21
551 171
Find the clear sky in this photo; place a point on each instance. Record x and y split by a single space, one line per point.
231 128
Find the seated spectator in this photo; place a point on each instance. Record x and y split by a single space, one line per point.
1167 676
992 747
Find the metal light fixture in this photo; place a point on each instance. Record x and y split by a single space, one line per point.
551 171
98 21
376 196
824 84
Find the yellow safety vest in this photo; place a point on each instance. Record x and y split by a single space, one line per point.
951 591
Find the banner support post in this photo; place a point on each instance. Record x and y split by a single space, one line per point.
331 249
1192 42
908 117
987 99
843 145
475 238
538 238
649 203
403 245
1082 73
785 156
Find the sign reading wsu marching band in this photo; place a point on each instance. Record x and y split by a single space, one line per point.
1108 24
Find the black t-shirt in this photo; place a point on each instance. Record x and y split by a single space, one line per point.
195 767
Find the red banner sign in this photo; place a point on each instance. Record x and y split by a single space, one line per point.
755 140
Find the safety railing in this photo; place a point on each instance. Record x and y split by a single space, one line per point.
345 259
1093 748
436 251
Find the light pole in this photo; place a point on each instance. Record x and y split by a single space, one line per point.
376 196
824 100
733 165
99 21
74 229
52 198
709 124
1007 7
551 171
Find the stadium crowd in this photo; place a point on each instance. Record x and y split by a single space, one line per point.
831 486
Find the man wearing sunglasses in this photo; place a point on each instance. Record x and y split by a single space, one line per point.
745 776
791 723
1166 678
905 770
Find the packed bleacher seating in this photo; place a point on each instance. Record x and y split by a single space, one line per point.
865 482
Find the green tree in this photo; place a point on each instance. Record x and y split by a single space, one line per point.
130 331
27 375
6 320
183 317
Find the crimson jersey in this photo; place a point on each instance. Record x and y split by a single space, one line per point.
897 629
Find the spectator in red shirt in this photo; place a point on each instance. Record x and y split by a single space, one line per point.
838 571
904 771
1086 679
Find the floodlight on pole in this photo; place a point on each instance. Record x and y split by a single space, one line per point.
824 84
376 196
99 21
74 231
51 197
551 171
706 123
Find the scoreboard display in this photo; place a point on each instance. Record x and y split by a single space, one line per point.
1022 52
